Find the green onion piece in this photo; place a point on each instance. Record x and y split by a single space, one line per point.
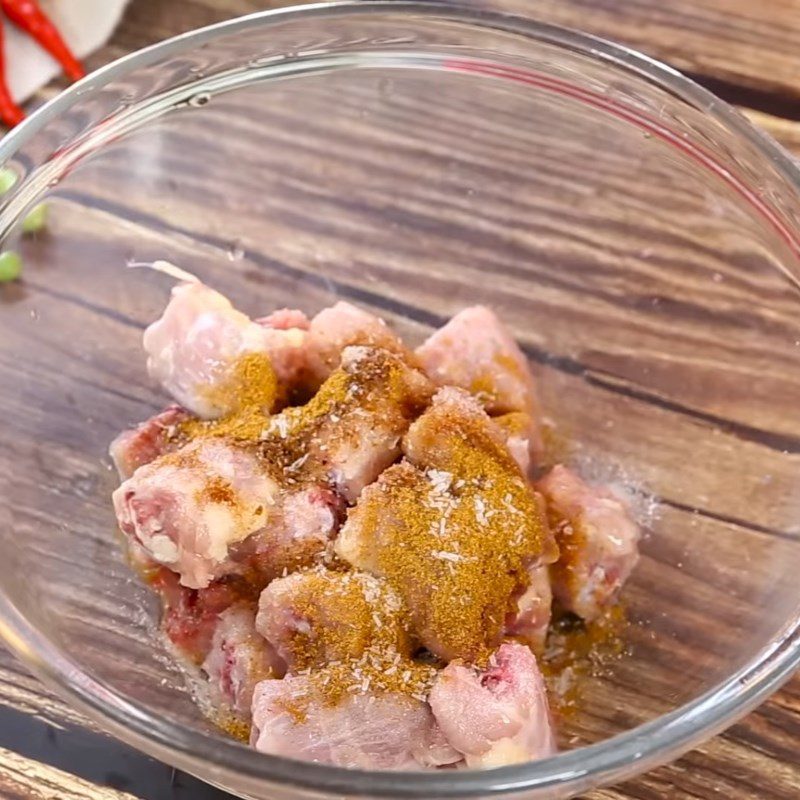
7 179
36 220
10 266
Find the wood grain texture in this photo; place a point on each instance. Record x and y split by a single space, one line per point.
735 44
784 131
728 46
26 779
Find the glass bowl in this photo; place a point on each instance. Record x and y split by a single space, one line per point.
638 236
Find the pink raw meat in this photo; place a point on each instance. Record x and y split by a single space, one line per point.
475 351
317 616
214 508
598 539
522 436
455 416
168 508
363 731
190 615
351 430
532 618
239 658
297 534
211 509
147 441
443 446
285 319
495 716
339 326
195 344
373 435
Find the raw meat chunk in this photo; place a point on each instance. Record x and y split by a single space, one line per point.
475 352
351 429
190 615
403 639
532 617
453 430
211 509
297 534
194 349
213 628
188 508
238 659
285 319
523 437
363 731
598 540
317 616
147 441
437 529
495 716
338 327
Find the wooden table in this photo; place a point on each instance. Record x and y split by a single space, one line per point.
749 54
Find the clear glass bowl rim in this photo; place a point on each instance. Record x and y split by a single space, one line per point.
612 760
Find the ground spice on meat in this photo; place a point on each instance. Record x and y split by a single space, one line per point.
355 641
251 382
373 386
344 613
215 490
484 389
183 458
377 670
234 726
292 444
243 426
218 490
251 390
484 385
571 537
459 535
514 422
456 539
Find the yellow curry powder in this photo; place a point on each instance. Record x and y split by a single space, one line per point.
293 443
344 614
251 382
251 390
354 641
456 539
374 391
515 423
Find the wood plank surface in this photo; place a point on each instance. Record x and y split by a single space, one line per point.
745 52
749 53
737 44
24 779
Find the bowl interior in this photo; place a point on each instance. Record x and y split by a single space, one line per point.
416 172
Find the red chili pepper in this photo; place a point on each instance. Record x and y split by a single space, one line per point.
10 112
27 15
